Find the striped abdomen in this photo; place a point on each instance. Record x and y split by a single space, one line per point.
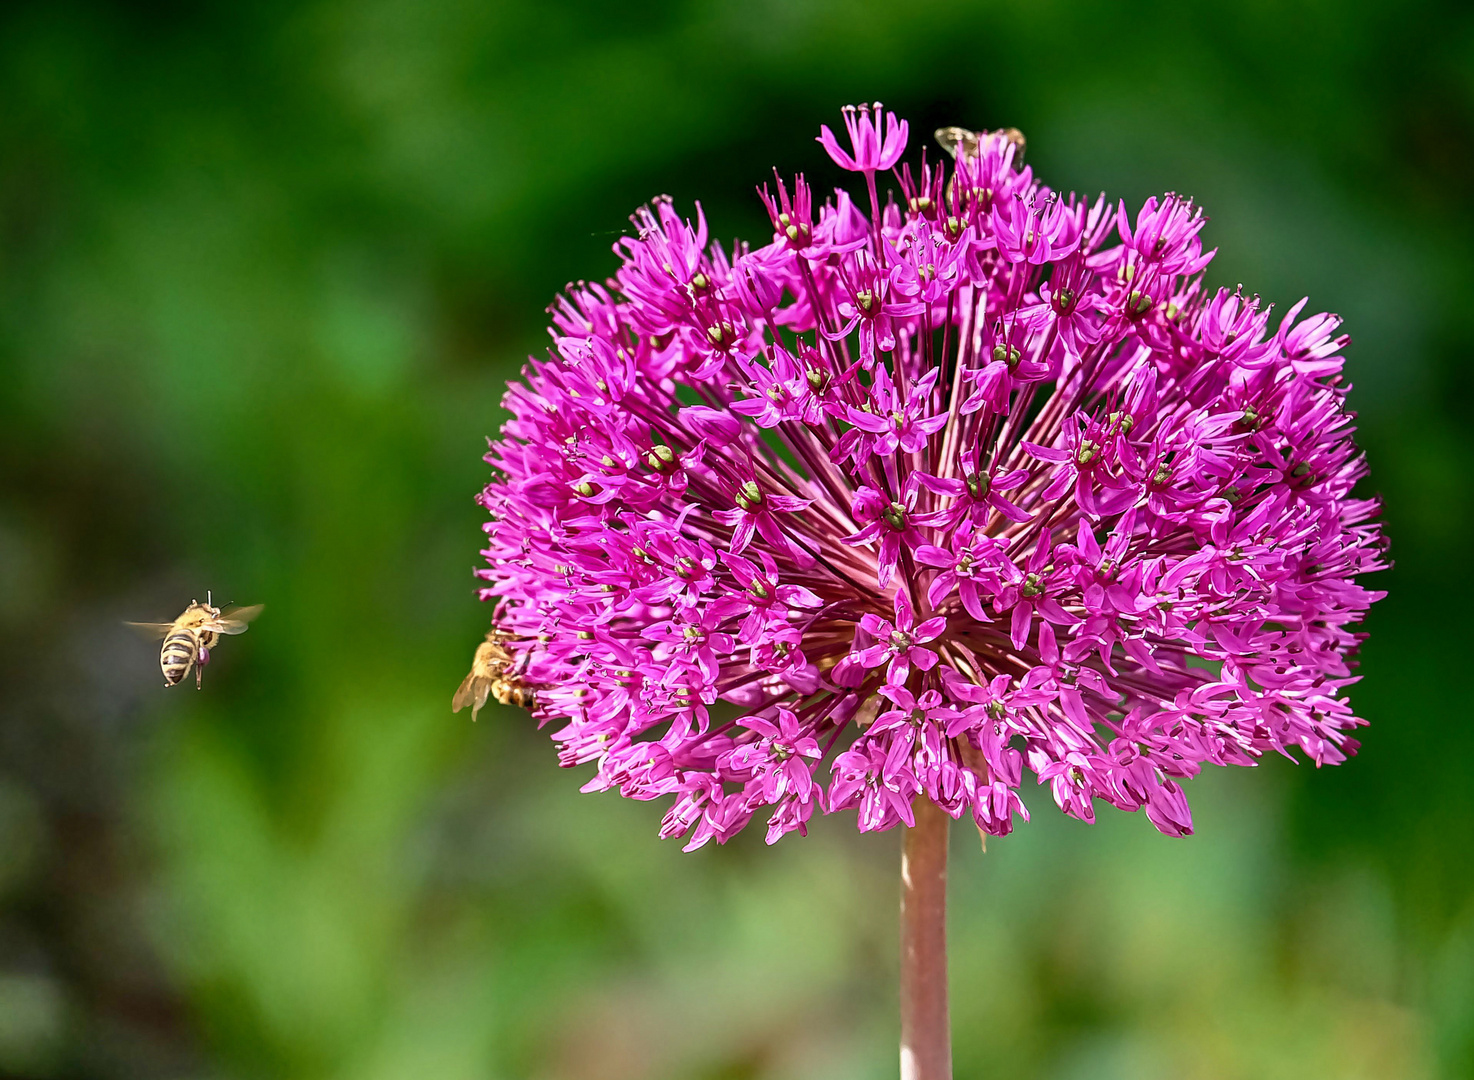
178 655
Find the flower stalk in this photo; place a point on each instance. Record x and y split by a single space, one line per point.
926 1035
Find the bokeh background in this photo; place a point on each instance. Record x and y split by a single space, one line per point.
264 269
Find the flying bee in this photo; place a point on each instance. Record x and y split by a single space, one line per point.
492 675
955 139
189 638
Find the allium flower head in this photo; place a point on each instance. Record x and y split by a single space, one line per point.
909 502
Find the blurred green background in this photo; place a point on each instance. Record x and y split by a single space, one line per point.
264 269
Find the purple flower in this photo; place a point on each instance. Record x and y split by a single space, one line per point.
975 566
894 522
986 485
756 513
777 763
898 644
875 146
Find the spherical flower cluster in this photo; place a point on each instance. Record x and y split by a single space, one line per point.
909 501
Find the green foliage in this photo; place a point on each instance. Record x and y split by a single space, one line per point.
264 269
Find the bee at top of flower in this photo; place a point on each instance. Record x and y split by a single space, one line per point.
909 505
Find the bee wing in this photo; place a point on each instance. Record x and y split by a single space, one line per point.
483 691
472 691
1015 136
234 620
955 138
151 630
463 693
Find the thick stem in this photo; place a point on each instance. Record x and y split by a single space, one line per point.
926 1038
